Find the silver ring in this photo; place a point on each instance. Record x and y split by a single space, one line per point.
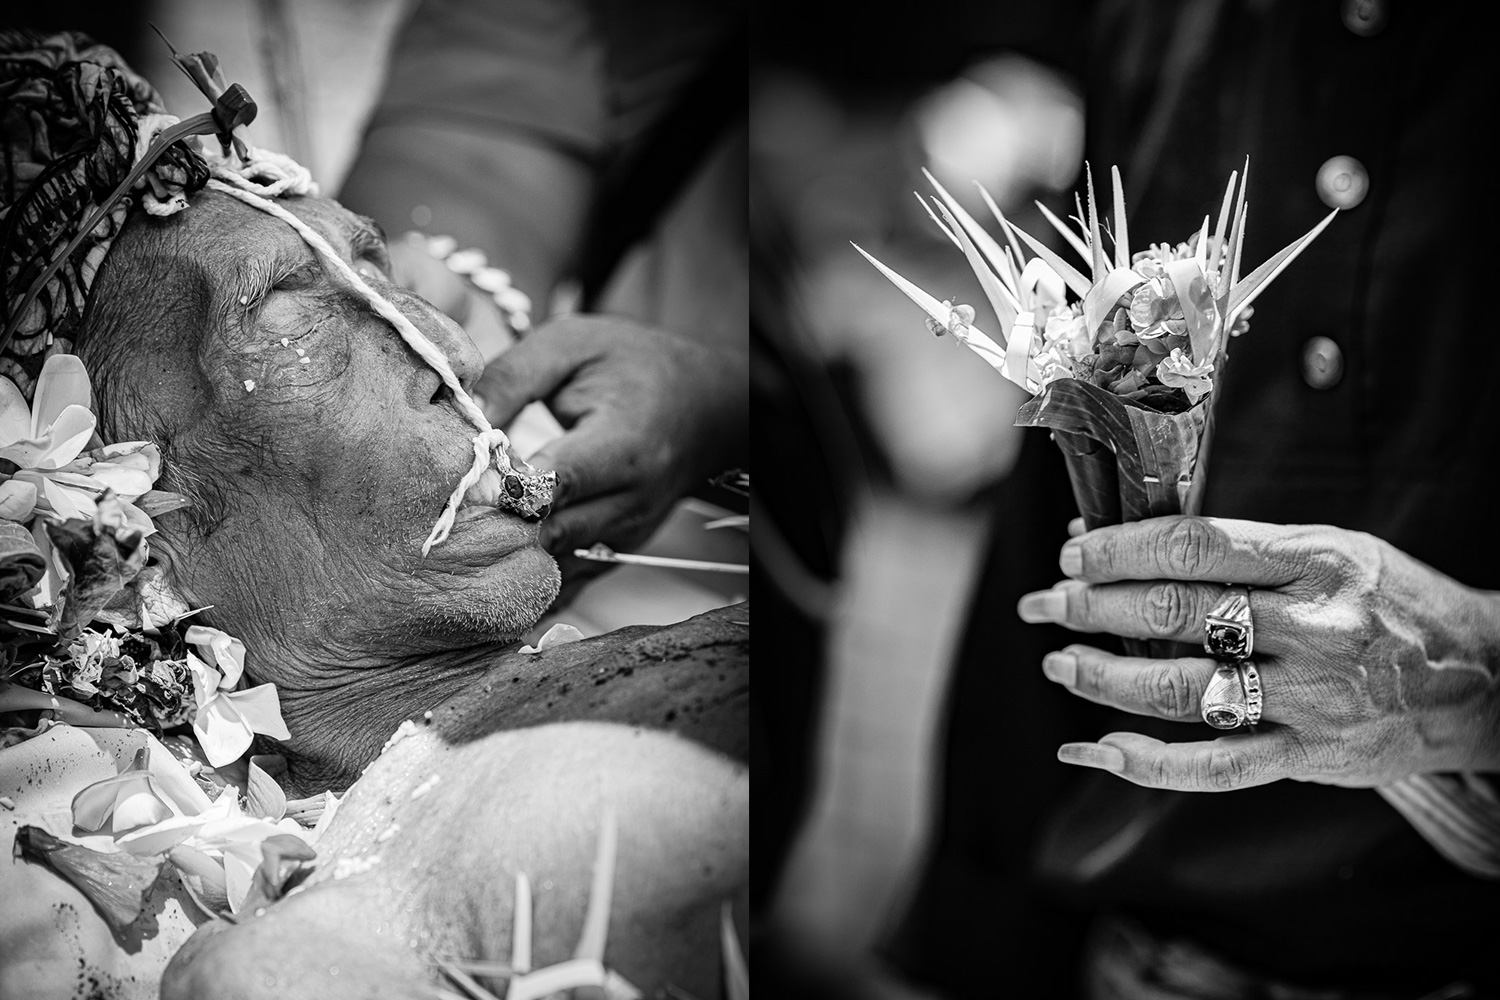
1250 678
1228 631
1224 704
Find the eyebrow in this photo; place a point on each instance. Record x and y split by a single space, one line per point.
255 276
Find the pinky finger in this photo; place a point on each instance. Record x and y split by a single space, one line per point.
1221 765
1076 527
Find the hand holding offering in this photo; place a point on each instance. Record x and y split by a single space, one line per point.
1373 666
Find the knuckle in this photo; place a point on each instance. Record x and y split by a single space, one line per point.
1091 675
1158 773
1170 692
1100 553
1164 609
1190 548
1223 769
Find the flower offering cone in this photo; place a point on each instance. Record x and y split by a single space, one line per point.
1125 462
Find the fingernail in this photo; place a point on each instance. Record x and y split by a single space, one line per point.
1043 606
1100 755
1061 667
1071 559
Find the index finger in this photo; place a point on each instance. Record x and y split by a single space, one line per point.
1239 760
1214 550
597 455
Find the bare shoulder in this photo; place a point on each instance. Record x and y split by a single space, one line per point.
691 678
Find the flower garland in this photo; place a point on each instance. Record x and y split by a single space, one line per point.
91 634
85 622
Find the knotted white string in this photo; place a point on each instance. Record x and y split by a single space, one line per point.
485 441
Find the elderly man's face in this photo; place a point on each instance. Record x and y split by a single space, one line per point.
321 447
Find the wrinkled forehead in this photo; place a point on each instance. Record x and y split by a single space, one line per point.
249 250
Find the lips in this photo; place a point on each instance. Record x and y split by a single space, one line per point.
486 492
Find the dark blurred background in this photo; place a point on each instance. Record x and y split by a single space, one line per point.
886 865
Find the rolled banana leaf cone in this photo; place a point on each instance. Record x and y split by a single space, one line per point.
1126 462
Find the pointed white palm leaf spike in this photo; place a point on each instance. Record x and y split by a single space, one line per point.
967 334
1069 274
1239 251
1002 301
1010 237
1073 238
1200 253
1122 234
1221 230
982 239
1236 235
1245 292
933 216
1095 245
1013 264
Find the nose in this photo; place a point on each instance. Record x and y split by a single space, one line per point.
444 333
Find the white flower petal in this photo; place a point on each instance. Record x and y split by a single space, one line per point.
93 805
221 649
15 414
63 383
137 809
222 731
239 873
162 836
260 707
17 500
137 519
127 482
69 435
66 502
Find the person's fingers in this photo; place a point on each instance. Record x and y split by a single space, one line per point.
532 369
597 456
1166 689
1162 609
616 519
1221 765
1197 548
1076 527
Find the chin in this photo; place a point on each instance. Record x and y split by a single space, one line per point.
504 602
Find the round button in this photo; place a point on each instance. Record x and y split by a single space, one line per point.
1322 363
1342 182
1364 17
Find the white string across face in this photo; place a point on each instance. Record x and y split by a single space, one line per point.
524 490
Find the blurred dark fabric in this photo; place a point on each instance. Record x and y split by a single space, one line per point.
982 923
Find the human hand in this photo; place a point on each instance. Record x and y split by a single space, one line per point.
1374 666
649 415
